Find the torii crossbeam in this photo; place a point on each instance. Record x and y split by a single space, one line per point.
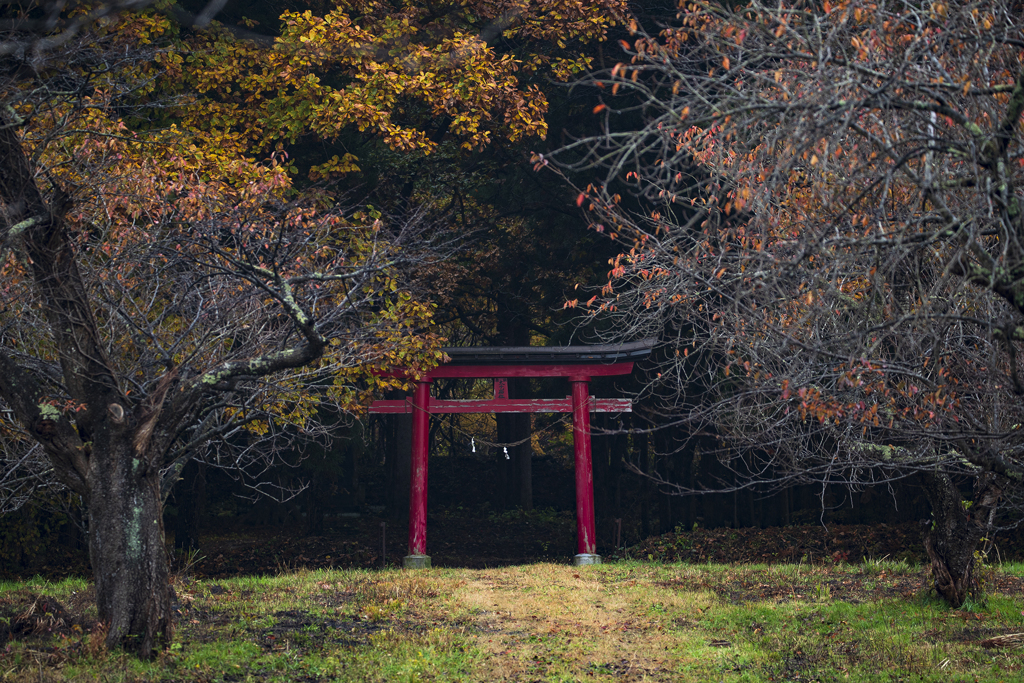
578 364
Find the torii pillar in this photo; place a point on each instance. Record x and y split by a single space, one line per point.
586 536
417 557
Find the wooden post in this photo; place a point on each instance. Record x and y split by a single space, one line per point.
586 544
417 557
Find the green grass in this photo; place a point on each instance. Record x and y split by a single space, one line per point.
41 585
1013 568
874 621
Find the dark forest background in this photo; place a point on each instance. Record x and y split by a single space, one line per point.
526 252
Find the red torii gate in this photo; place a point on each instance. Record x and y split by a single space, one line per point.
578 364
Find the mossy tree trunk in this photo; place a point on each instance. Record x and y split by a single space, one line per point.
126 547
958 527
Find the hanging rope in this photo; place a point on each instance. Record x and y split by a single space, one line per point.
561 422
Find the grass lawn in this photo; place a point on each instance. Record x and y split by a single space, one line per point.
632 621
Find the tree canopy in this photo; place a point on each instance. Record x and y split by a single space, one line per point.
822 220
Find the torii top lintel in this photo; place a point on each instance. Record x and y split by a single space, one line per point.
540 361
576 363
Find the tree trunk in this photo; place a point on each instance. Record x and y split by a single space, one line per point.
524 451
664 463
316 495
508 475
517 467
693 512
599 446
642 441
517 471
399 453
126 547
190 496
618 446
321 468
957 530
354 452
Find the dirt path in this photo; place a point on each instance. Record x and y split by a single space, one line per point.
546 621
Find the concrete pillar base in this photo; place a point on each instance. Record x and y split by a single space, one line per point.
586 558
417 561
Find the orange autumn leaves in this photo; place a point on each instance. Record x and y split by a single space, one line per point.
801 155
